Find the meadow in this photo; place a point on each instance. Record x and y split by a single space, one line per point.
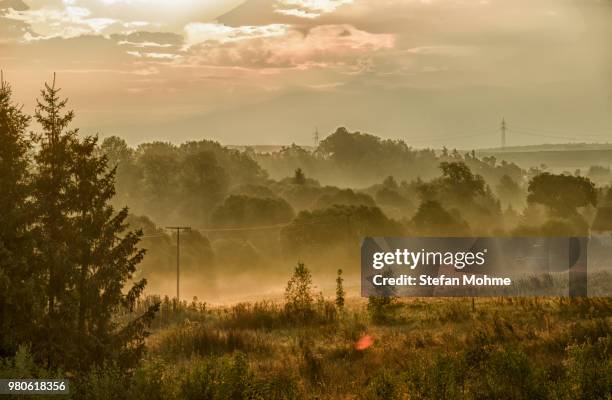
311 347
485 348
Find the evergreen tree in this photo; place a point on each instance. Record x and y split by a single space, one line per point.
19 294
54 192
340 293
84 250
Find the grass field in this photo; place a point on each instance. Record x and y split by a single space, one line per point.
496 348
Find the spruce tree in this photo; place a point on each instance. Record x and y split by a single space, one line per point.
88 255
53 190
20 297
340 293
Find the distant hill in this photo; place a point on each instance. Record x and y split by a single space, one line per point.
549 147
264 148
557 158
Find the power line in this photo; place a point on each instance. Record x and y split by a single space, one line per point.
429 139
543 135
153 236
232 229
249 228
563 134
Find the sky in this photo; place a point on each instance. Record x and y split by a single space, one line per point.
431 72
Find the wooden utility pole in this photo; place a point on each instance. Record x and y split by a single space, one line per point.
178 230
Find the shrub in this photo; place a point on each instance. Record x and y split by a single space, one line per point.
101 383
440 379
298 294
589 370
382 309
196 339
383 386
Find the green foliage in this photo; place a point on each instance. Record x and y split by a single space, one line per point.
391 197
509 191
244 211
20 286
103 382
259 315
344 197
194 339
437 379
361 157
383 386
340 293
220 379
432 219
83 249
589 369
463 192
312 232
23 364
65 254
458 181
299 301
562 194
184 182
299 178
506 374
383 309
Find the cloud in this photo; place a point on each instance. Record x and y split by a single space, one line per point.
308 8
328 45
153 55
325 6
17 5
212 32
296 12
53 22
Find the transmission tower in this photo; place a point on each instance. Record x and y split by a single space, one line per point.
504 128
316 138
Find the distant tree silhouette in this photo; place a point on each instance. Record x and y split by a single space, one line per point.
345 197
241 210
562 194
298 177
336 227
432 219
509 191
460 182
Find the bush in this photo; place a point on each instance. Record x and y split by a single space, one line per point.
298 294
196 339
383 386
440 379
259 315
589 370
222 379
383 309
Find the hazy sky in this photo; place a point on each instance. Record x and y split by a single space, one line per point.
431 72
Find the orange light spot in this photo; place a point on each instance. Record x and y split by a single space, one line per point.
364 342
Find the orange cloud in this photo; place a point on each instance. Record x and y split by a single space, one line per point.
321 45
